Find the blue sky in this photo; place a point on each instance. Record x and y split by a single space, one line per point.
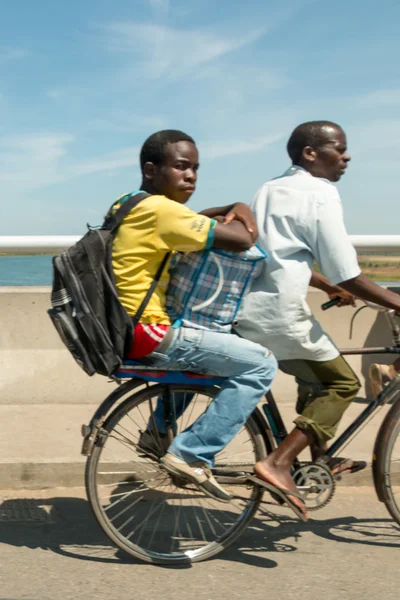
82 84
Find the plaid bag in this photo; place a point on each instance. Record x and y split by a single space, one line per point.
206 288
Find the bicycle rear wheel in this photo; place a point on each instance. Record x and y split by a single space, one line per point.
157 517
386 464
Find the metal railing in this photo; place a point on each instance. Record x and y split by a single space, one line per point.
36 244
52 244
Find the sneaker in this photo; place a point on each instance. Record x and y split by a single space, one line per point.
149 444
197 472
379 376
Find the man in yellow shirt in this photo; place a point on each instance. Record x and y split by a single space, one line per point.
160 224
157 226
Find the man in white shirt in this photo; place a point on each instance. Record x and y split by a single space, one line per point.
299 218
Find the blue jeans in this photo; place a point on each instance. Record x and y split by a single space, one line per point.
249 369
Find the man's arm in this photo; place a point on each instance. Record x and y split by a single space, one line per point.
235 212
219 211
184 230
334 291
363 287
232 236
338 259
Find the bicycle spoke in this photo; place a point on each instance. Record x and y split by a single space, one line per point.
112 519
188 525
174 407
150 513
236 454
176 530
130 482
212 515
117 473
155 437
136 424
183 412
206 516
155 527
192 402
150 510
122 439
122 496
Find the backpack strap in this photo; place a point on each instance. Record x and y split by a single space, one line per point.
111 222
150 291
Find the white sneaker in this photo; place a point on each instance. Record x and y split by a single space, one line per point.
197 472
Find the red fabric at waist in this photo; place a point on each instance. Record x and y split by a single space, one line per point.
146 339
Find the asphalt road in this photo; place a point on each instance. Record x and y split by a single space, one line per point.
51 548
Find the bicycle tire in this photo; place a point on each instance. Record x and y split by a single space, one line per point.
93 474
386 462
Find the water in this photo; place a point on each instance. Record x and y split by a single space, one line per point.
36 270
25 270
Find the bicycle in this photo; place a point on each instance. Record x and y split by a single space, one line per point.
164 519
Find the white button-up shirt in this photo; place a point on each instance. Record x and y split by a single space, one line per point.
299 219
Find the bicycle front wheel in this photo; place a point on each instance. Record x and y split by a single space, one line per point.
161 518
386 465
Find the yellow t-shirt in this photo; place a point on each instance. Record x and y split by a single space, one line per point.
155 226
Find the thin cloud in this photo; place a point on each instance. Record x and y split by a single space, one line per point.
32 158
36 161
126 157
173 53
378 134
382 98
127 122
160 8
232 147
261 78
8 53
55 93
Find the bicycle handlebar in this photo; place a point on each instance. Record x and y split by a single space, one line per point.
393 317
372 305
330 303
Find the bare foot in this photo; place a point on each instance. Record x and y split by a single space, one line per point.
280 477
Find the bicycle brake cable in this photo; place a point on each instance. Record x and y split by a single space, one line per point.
353 318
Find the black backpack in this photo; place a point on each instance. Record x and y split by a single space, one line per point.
86 310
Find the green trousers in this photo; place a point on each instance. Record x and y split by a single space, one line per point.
325 390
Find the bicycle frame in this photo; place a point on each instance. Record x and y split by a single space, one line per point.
270 409
389 393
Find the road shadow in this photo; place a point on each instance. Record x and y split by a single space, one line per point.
271 532
67 527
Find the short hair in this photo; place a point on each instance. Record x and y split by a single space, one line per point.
153 150
311 134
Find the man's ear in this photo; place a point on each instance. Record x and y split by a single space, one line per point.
149 170
309 154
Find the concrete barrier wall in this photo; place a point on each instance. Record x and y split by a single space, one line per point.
36 368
